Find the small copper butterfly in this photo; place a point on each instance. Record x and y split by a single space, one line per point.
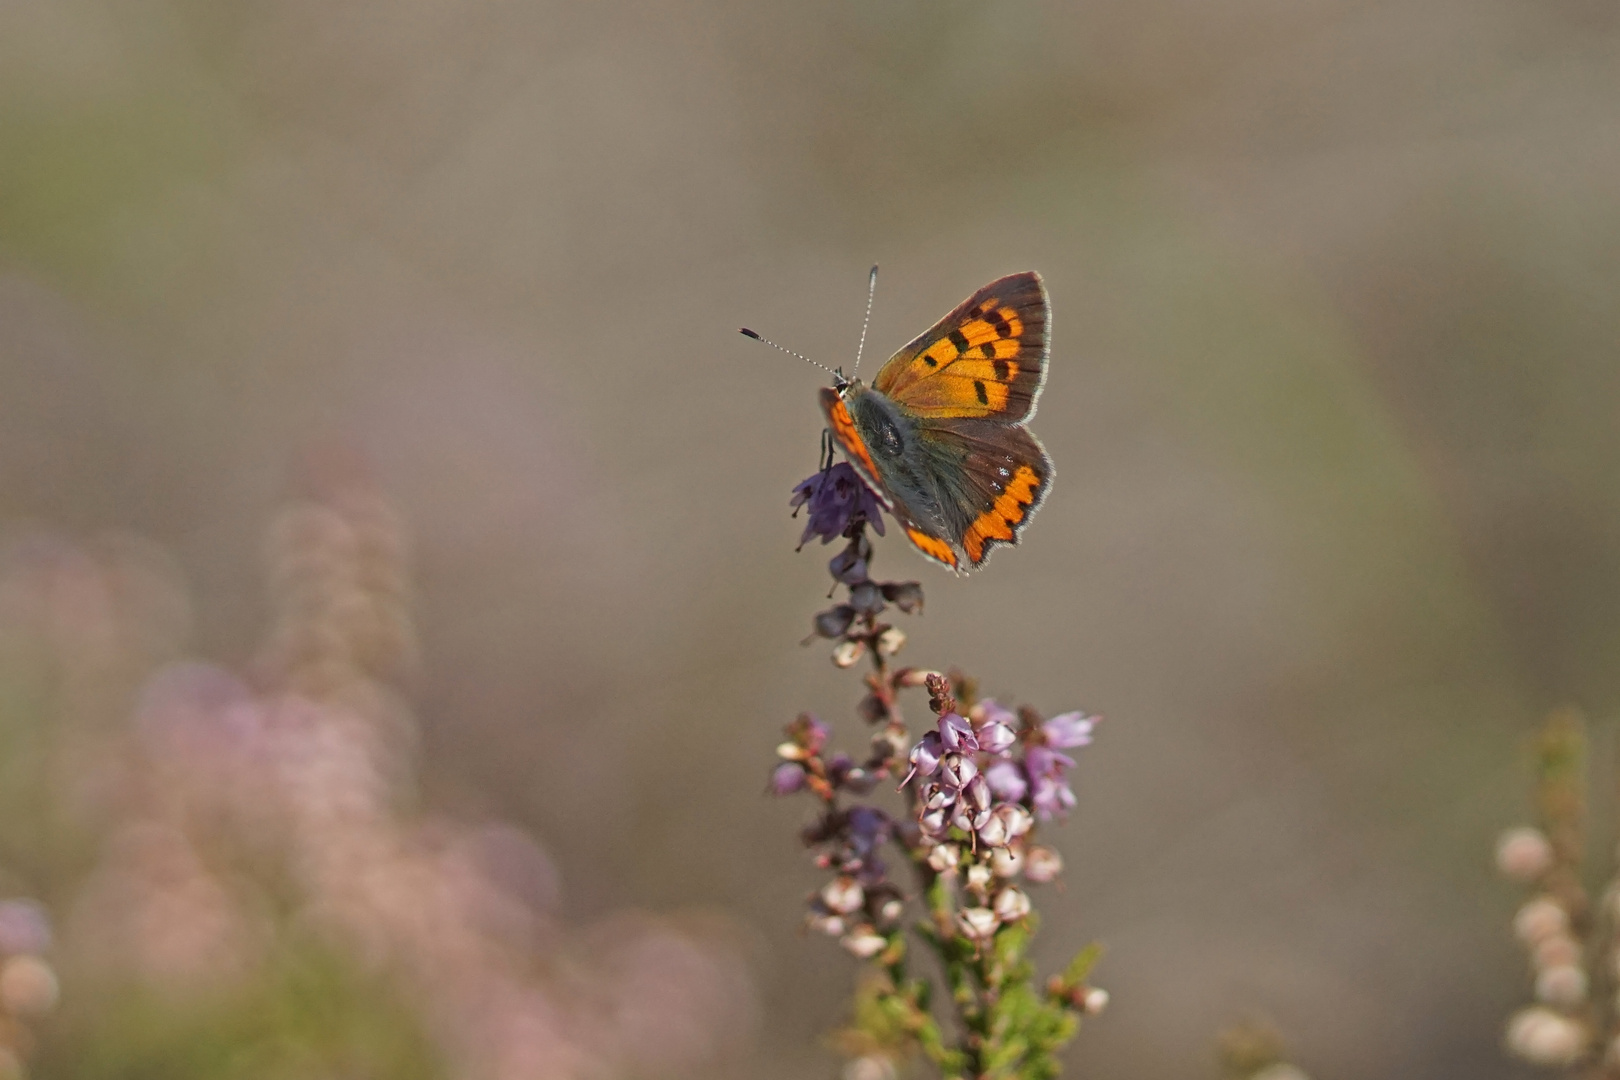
941 433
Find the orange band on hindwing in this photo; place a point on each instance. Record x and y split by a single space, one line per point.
1001 521
932 546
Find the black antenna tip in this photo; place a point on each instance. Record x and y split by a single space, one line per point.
745 332
874 271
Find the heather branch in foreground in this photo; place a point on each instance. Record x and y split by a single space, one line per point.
976 787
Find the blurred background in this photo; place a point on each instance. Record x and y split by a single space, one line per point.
387 354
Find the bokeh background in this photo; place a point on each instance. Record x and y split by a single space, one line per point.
435 302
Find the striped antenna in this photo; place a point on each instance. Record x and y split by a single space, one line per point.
745 332
871 291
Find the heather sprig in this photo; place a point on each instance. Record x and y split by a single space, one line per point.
1573 946
975 787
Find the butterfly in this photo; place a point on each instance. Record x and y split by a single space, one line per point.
941 433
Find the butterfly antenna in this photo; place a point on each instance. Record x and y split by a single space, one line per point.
745 332
871 291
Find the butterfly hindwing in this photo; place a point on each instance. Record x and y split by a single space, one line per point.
986 359
1004 476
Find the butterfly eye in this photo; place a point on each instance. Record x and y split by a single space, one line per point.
888 441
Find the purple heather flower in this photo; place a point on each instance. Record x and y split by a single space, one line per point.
868 828
990 711
834 621
978 797
866 598
1044 761
957 733
1007 781
924 757
836 497
905 595
849 565
1049 791
1051 795
788 778
996 738
1068 730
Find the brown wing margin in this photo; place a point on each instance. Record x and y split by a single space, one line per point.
986 359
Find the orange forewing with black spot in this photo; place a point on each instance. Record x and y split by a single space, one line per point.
987 358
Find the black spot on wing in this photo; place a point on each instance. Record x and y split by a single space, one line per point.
1001 368
978 388
958 339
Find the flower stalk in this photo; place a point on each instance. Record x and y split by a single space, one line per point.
974 789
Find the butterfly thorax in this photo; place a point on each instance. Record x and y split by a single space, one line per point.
887 432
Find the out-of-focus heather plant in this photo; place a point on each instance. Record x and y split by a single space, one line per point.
977 787
239 876
1573 945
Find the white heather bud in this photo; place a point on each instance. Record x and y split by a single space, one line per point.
944 857
977 923
848 653
978 878
1523 854
790 751
916 677
1280 1071
891 911
1559 950
1006 862
1539 919
1007 823
994 833
28 986
1011 904
891 641
1095 1001
1562 986
1543 1037
822 923
843 895
870 1067
864 942
1042 864
934 822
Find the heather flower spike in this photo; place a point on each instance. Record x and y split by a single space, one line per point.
838 499
975 786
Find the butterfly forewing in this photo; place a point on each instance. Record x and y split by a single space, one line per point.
987 358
